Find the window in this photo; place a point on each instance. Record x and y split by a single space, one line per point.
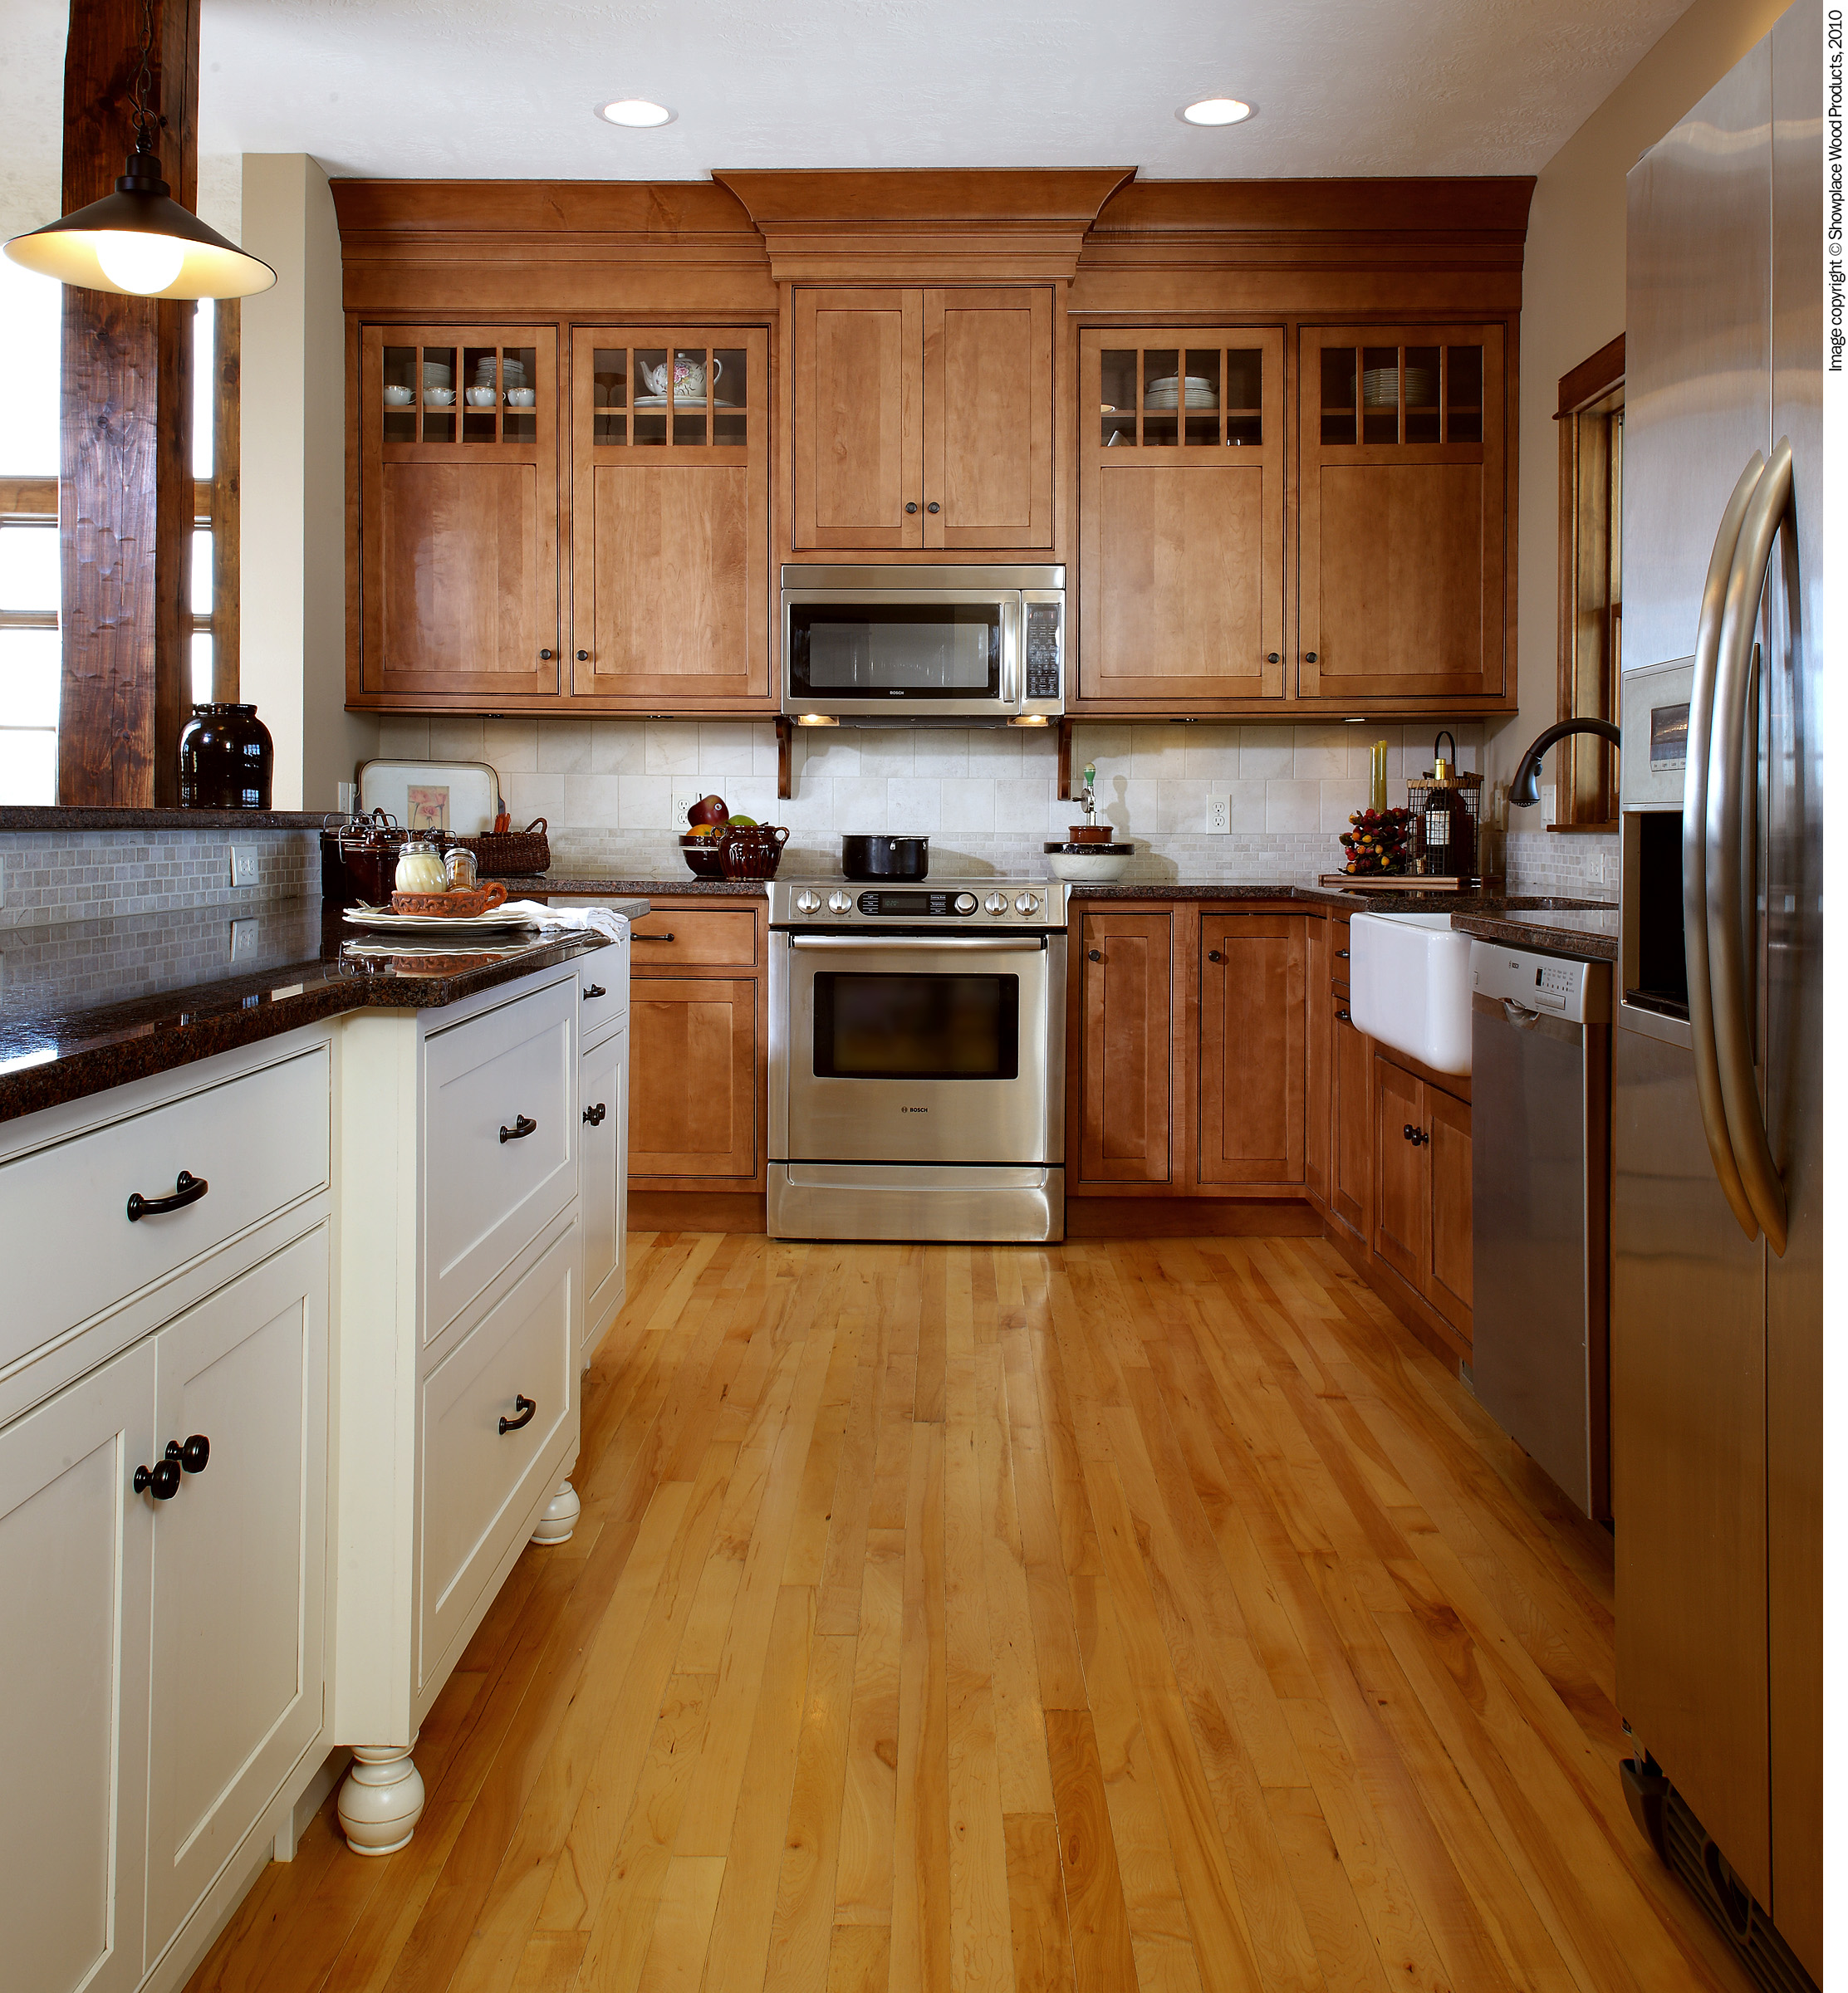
1591 582
30 651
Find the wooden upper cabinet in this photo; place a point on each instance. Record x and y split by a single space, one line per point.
922 419
458 513
1180 516
1252 1061
1402 513
1125 1100
670 539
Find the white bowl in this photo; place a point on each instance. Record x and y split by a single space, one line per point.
1093 867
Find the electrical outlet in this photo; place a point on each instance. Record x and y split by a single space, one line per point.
682 800
243 938
244 864
1219 815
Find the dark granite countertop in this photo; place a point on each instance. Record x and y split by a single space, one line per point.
89 1005
1588 933
71 816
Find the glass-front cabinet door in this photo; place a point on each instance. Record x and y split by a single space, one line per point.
1180 516
1402 513
458 512
670 528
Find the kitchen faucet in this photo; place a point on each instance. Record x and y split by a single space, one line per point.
1524 790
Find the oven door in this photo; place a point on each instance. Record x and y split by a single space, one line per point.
916 1048
868 654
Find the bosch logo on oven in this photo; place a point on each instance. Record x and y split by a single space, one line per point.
913 1110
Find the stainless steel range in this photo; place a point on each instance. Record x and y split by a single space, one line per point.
916 1061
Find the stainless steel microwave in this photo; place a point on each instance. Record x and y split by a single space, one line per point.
873 645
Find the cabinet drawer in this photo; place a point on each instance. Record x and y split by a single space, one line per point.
602 992
697 938
492 1182
259 1141
478 1483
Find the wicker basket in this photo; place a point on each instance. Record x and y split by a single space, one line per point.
511 854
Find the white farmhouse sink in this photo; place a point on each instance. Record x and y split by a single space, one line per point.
1409 986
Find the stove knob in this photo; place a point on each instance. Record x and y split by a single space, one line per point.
807 902
839 902
964 903
996 903
1026 903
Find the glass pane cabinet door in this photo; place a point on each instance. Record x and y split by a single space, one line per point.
459 513
1180 505
670 480
1402 513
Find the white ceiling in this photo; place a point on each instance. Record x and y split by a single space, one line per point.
484 88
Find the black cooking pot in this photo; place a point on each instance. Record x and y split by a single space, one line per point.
886 857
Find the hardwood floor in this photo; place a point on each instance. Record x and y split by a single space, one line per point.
1147 1615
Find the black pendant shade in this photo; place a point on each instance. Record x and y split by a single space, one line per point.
138 242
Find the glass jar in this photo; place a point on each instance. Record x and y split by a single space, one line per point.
419 868
458 861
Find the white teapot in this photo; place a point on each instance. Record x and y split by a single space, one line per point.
688 377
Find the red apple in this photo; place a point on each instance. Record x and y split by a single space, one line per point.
708 809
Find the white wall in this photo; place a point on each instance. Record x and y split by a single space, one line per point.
1573 288
293 476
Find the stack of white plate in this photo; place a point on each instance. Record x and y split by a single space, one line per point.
1380 387
1166 393
438 374
513 373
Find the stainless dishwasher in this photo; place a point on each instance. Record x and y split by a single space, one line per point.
1540 1086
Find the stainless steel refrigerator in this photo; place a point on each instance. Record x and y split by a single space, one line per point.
1716 1331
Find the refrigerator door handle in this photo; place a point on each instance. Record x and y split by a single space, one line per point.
1728 800
1695 783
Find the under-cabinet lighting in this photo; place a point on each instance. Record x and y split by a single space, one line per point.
636 112
1216 110
818 719
1028 719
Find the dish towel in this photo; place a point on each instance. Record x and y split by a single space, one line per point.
597 920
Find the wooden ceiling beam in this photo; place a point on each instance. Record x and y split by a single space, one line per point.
125 499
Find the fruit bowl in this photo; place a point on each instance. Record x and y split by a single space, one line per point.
705 858
1092 863
452 906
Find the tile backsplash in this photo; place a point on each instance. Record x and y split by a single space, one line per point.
985 796
1580 864
61 875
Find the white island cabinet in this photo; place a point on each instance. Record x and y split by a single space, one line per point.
290 1369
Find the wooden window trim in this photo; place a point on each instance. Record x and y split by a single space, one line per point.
1589 665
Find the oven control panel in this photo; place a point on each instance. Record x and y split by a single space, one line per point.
1038 903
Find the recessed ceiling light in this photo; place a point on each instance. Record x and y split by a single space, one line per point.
635 112
1216 110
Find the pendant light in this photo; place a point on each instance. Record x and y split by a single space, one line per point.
138 242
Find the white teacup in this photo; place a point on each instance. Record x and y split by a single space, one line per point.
397 397
520 397
438 398
481 398
688 378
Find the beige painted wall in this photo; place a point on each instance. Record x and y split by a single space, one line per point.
293 474
1574 292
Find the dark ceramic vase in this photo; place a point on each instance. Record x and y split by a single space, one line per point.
226 758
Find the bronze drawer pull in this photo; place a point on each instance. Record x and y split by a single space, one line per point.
523 1125
187 1189
595 1115
1342 1018
525 1406
596 989
668 936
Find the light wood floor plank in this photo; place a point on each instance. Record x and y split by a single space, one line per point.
1123 1617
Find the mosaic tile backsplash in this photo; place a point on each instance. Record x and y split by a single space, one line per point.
984 796
49 875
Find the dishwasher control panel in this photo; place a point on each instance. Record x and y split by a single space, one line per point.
1576 992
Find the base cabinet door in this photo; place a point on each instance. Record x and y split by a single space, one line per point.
694 1089
1252 1063
1125 1106
603 1096
1351 1129
1401 1226
1452 1249
74 1574
239 1567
